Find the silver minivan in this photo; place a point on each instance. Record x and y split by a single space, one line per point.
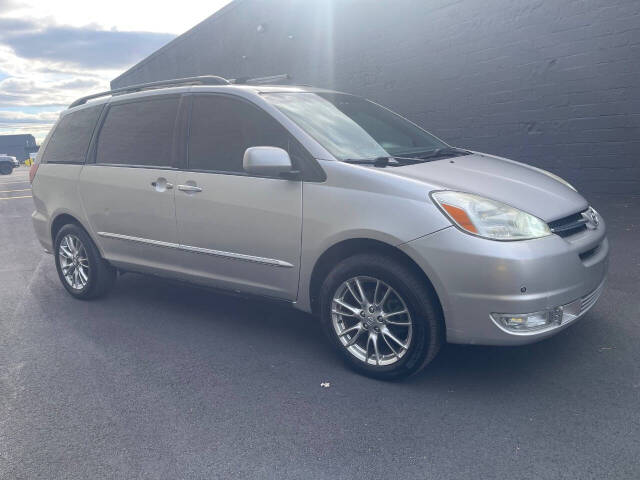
397 241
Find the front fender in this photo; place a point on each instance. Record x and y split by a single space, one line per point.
361 203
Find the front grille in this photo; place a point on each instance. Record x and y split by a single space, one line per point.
588 301
570 225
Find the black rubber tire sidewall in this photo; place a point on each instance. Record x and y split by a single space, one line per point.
101 274
6 169
428 327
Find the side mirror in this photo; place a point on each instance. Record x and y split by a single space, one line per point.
269 161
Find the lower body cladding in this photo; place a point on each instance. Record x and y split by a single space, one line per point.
512 293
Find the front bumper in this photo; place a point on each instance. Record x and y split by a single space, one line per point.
475 278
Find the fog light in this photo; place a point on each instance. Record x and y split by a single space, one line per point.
528 322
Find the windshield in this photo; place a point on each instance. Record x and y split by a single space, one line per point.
351 127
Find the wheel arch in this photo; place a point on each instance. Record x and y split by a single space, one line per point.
346 248
63 218
60 221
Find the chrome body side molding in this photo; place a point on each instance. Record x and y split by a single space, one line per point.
206 251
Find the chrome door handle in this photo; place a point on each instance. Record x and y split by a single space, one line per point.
189 188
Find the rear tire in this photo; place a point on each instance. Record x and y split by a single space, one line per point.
82 271
6 169
404 342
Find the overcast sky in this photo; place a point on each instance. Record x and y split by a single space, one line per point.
54 51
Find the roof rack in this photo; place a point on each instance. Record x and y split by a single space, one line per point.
201 80
259 80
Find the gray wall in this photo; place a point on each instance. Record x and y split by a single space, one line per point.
555 83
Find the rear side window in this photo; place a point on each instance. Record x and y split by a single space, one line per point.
222 128
70 140
138 133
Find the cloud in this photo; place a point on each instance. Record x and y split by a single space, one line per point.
7 5
17 86
67 71
24 91
78 83
31 100
53 52
22 117
37 124
87 46
45 65
11 24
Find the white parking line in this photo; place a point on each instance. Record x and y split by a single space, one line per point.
13 198
20 190
8 183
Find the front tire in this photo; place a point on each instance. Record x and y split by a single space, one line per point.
82 271
6 169
381 316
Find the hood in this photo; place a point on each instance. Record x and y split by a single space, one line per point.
521 186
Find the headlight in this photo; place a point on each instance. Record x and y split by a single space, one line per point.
488 218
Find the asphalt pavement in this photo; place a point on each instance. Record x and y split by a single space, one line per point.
162 380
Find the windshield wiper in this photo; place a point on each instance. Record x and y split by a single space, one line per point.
442 152
429 154
400 160
380 162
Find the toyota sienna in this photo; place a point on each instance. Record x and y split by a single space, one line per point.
396 240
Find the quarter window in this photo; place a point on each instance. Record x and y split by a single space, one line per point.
138 133
70 139
222 128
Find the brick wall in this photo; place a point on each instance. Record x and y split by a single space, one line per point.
552 83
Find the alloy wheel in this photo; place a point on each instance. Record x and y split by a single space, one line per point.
74 262
372 320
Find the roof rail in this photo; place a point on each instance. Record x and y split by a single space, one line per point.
201 80
260 80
